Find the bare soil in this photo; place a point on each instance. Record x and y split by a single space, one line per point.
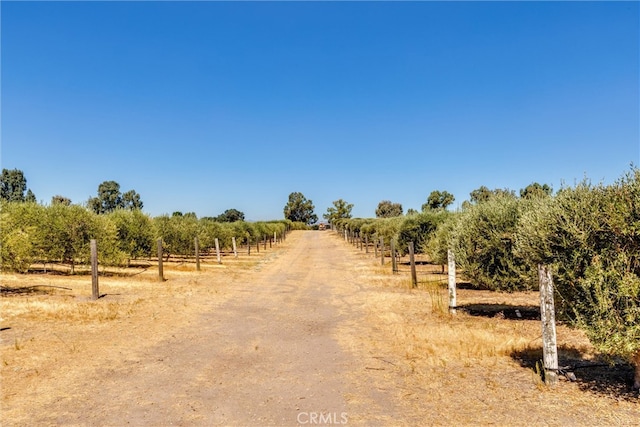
312 331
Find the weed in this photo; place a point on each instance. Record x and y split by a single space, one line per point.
538 376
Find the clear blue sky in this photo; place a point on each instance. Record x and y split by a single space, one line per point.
206 106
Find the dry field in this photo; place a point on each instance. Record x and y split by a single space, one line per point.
311 326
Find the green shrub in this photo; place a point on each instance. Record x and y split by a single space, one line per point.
419 228
134 232
590 235
483 241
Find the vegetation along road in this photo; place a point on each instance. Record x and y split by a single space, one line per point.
310 332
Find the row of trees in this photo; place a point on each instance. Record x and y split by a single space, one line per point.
31 233
588 234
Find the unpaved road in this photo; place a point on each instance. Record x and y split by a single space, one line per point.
311 333
270 354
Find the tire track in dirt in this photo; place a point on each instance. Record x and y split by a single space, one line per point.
268 356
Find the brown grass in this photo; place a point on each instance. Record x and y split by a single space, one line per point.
444 369
483 368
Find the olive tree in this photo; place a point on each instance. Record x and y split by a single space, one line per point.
589 235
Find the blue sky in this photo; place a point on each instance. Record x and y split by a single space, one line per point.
207 106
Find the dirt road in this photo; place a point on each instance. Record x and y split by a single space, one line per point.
311 333
269 354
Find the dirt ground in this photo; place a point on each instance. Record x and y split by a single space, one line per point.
309 332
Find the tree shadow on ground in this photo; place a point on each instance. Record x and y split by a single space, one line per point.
29 290
611 379
85 271
505 311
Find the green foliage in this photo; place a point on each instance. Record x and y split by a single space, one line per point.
178 233
438 200
131 200
13 186
110 198
61 200
441 240
483 194
230 215
18 229
535 190
134 232
339 210
418 229
60 233
483 241
590 235
387 209
30 197
299 209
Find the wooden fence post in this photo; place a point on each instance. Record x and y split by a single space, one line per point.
275 238
375 248
218 250
548 317
412 261
382 251
95 293
196 243
452 281
248 245
235 248
160 269
345 234
264 239
366 243
394 261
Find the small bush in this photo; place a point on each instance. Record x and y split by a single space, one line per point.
483 241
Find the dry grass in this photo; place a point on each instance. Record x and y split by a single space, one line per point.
478 369
464 369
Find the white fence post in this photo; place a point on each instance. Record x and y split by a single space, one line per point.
452 281
548 316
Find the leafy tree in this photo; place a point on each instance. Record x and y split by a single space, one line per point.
57 199
19 226
411 212
230 215
589 235
482 194
387 209
131 200
438 200
535 190
134 232
483 243
30 197
419 229
299 209
340 209
110 198
177 233
13 186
